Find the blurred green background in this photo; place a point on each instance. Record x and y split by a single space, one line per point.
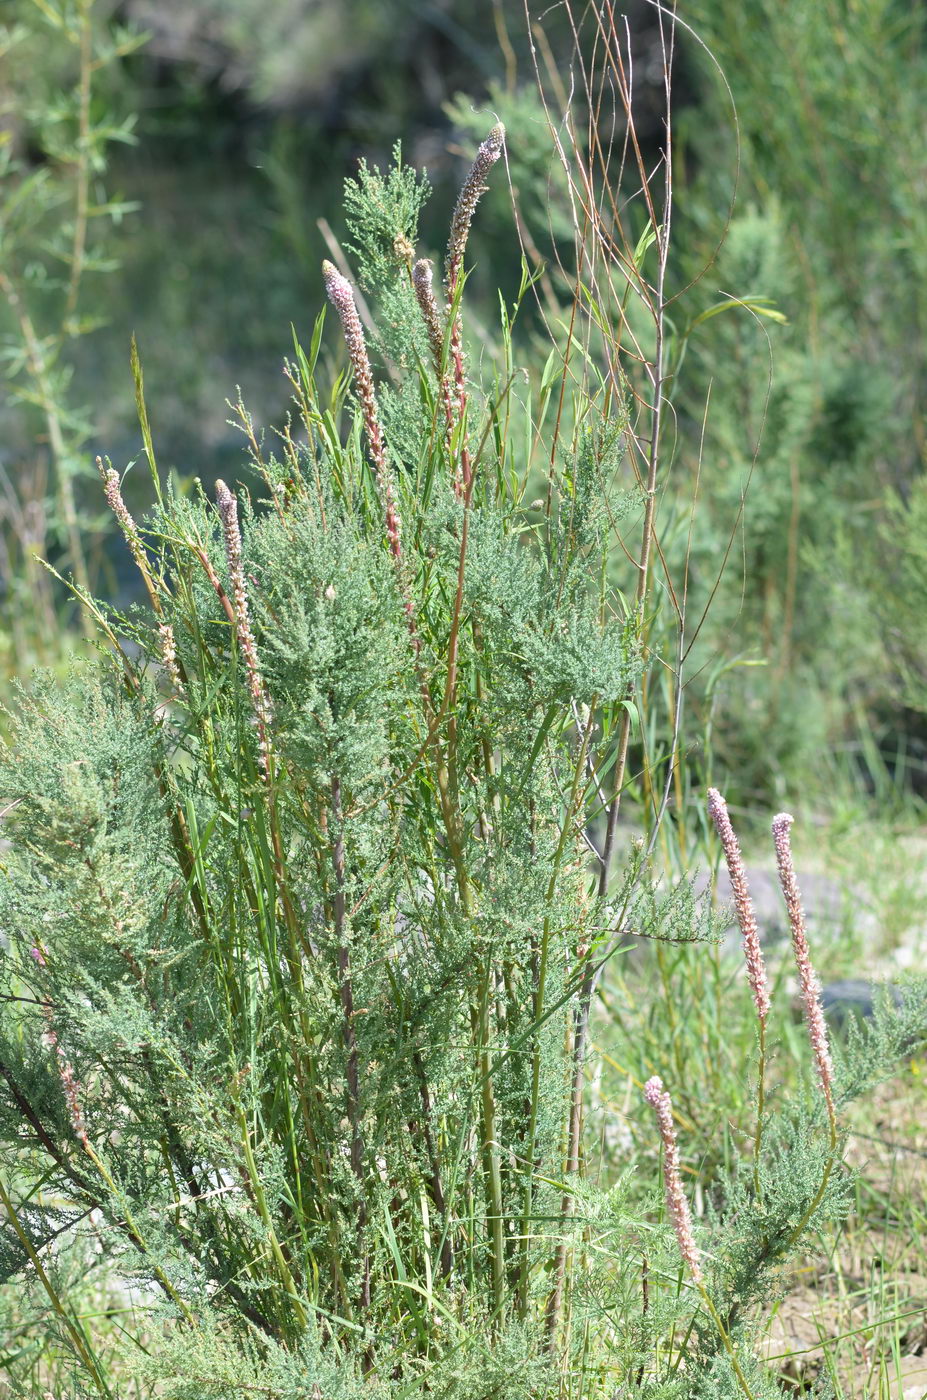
175 171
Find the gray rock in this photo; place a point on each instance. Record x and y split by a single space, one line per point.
853 996
828 906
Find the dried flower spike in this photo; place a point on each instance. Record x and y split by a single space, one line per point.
743 904
810 986
72 1094
341 296
228 511
676 1203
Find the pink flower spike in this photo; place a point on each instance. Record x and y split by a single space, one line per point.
743 904
341 295
676 1203
808 980
486 157
428 305
471 190
68 1078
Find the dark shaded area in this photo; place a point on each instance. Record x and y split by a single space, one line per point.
233 174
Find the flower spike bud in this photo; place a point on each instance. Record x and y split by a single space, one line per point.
260 702
810 986
486 157
743 904
473 186
428 305
69 1082
169 655
341 296
112 490
676 1203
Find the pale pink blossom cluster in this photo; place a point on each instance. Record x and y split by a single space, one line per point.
676 1203
743 904
260 701
807 977
341 296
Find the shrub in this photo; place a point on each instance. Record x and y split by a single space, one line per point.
313 877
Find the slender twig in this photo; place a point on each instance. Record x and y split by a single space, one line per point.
260 700
39 369
82 165
346 991
539 1016
656 375
73 1325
